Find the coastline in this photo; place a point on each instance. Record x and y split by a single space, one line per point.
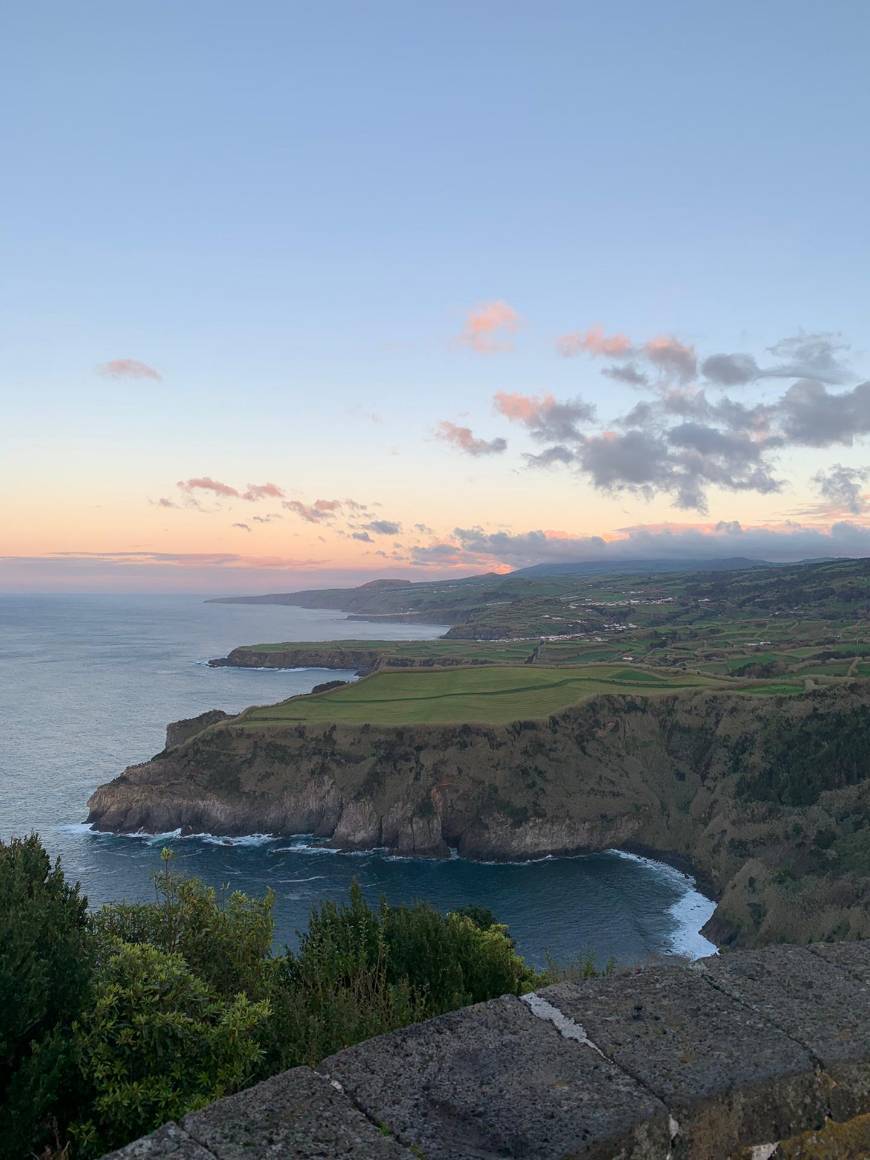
687 939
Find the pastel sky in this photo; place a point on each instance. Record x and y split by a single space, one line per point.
296 293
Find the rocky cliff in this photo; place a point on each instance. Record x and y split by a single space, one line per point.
751 790
333 656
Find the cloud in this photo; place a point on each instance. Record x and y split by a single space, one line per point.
806 356
128 368
258 491
730 370
811 356
680 442
206 483
322 510
383 528
627 374
311 513
842 487
594 342
364 536
666 353
671 357
266 519
476 548
545 417
244 527
552 455
488 327
464 439
163 502
810 414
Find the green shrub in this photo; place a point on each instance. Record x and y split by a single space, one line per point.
111 1026
45 967
226 942
360 972
156 1044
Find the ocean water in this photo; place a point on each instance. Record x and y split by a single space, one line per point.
87 686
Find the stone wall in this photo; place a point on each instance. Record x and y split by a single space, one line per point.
751 1055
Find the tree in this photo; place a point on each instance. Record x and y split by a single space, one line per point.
46 956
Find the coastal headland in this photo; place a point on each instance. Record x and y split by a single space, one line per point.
719 719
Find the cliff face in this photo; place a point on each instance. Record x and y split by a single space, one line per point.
177 732
248 657
326 656
673 774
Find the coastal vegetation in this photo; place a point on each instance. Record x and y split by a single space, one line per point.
114 1022
493 695
676 613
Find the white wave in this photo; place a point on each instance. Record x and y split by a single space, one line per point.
74 828
690 912
238 840
274 668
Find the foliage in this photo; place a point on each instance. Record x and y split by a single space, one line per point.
360 972
113 1025
45 967
158 1043
226 942
804 758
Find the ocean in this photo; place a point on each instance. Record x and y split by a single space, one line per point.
87 686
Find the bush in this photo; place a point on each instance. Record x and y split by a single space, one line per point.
227 943
45 967
360 972
113 1025
157 1044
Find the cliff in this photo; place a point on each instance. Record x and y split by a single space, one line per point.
751 790
338 655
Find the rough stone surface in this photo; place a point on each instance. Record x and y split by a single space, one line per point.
813 1000
727 1076
495 1080
168 1141
853 957
721 1059
295 1114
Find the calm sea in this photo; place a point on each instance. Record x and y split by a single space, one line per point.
87 685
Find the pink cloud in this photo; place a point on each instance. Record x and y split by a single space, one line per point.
671 356
594 342
128 368
256 491
311 513
464 439
523 408
206 483
488 326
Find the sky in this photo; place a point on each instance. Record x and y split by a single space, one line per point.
295 294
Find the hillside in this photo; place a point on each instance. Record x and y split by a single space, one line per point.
527 605
768 797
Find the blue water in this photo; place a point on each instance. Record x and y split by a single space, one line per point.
87 685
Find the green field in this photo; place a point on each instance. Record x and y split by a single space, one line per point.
487 695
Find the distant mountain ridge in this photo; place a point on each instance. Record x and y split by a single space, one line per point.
647 567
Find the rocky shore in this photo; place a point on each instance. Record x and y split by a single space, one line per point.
681 775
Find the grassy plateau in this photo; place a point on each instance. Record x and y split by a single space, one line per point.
492 695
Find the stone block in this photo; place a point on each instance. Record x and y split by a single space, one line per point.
727 1076
853 957
295 1114
168 1141
816 1002
495 1080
